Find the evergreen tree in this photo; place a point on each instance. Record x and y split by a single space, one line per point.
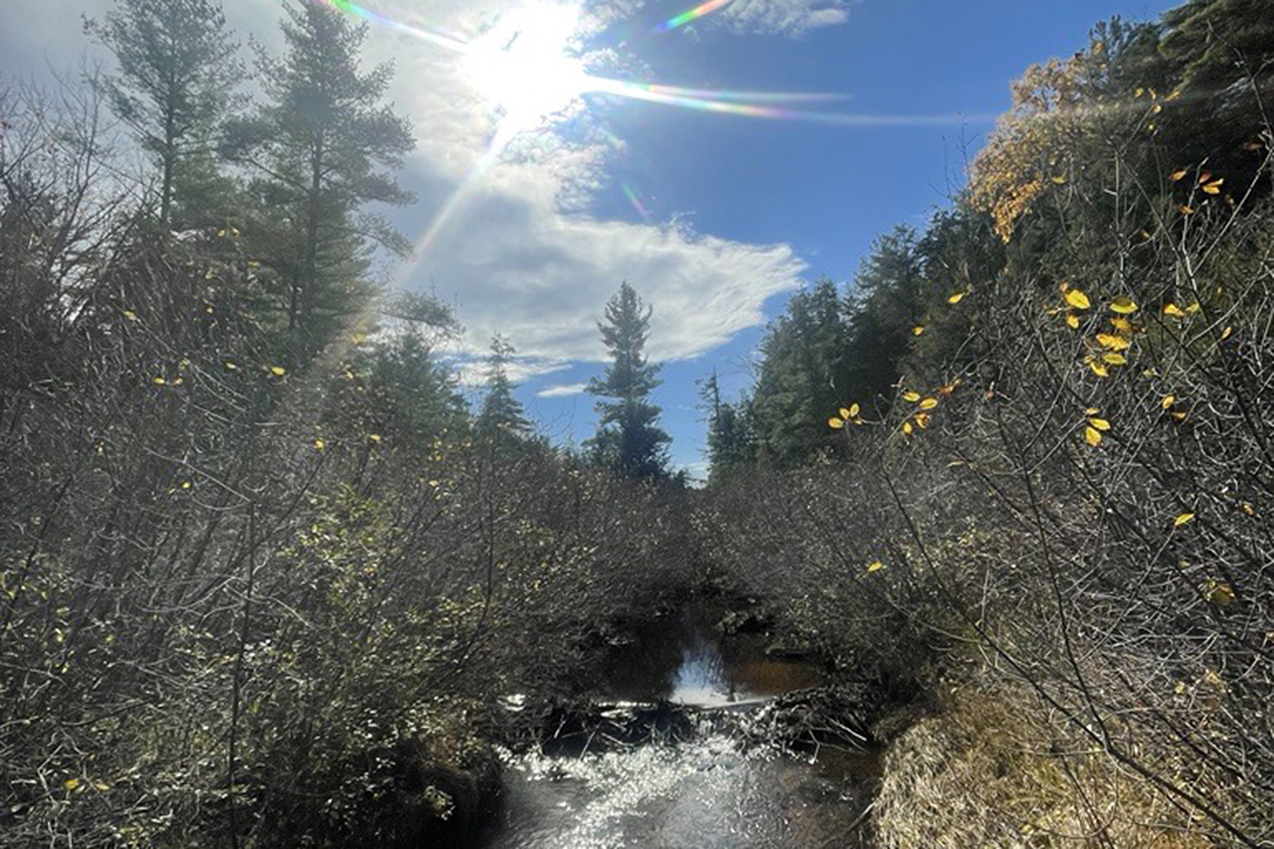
882 317
501 414
174 87
731 443
803 376
629 440
325 146
1223 52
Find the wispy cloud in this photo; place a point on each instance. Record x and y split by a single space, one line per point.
785 17
563 390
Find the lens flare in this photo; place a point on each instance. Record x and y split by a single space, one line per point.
527 68
692 15
432 36
752 105
630 192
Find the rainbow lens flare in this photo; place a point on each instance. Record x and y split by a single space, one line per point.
691 15
529 70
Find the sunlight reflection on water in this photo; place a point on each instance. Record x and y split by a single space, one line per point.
708 792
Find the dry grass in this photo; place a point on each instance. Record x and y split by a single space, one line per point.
980 773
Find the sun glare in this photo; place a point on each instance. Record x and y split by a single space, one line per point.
525 67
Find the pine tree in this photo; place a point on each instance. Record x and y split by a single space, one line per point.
175 85
731 442
325 146
502 414
629 441
803 376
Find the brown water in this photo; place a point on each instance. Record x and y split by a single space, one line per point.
711 790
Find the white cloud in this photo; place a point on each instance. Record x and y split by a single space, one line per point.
563 390
785 17
521 255
472 371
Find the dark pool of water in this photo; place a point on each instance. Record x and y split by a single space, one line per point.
683 658
711 791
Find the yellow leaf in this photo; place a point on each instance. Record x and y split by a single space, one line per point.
1077 299
231 366
1092 411
1168 401
186 484
1139 92
957 297
875 566
1179 416
320 444
1218 592
130 315
1177 176
1115 343
1123 305
158 381
1186 209
1173 310
1214 187
853 411
221 234
835 423
1225 334
906 428
71 783
948 388
1092 436
1115 359
1072 321
1247 508
911 397
1193 308
1099 424
845 413
922 420
1123 325
358 338
1157 108
1098 368
1182 519
1180 689
928 403
101 786
917 330
278 371
1059 179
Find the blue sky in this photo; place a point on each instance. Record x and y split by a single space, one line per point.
732 213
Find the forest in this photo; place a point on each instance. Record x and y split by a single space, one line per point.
267 578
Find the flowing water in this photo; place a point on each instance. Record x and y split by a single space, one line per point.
703 787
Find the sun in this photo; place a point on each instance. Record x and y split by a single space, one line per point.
525 65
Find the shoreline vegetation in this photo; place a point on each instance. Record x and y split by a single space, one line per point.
266 578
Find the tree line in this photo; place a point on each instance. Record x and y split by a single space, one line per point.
1017 473
263 572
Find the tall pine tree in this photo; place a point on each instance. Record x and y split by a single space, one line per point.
324 146
629 440
502 414
174 87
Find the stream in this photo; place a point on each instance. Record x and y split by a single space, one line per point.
698 782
